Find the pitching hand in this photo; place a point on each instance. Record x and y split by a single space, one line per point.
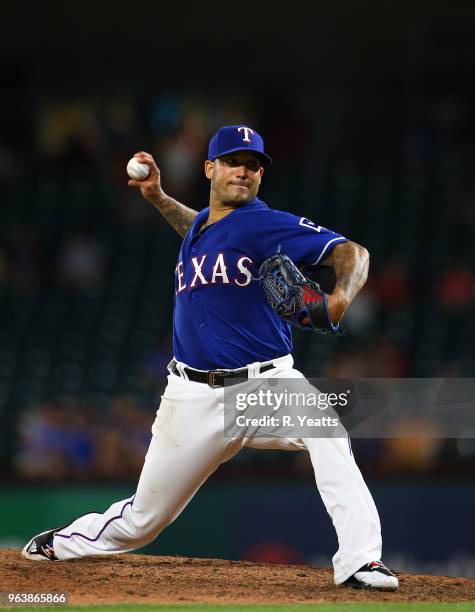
150 187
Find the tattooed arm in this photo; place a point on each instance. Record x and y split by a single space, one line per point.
350 261
178 215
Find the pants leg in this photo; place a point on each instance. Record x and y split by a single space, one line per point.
343 490
349 504
187 446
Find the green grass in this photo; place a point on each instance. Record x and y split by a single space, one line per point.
337 607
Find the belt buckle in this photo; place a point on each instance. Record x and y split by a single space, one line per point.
211 378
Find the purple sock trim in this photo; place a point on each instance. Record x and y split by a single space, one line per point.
114 518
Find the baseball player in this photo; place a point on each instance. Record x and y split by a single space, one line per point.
225 327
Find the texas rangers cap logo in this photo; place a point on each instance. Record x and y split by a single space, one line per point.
232 138
246 131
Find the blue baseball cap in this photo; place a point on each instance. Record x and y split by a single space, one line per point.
232 138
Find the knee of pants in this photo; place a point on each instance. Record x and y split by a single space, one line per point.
149 524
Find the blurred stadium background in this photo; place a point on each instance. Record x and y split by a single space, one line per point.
368 111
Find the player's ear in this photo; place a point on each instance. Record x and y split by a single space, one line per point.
209 167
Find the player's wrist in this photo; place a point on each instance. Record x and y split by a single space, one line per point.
337 304
158 198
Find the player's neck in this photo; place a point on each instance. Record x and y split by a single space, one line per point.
218 210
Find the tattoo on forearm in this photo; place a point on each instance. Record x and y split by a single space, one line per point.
178 215
350 263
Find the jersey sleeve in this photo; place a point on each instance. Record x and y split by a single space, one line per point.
302 240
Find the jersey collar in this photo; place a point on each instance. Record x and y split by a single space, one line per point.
254 204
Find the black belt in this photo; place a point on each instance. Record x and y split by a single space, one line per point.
215 378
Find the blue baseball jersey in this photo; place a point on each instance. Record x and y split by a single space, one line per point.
222 318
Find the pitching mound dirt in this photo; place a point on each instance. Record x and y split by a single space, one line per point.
141 578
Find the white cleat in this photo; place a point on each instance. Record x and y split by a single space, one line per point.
40 547
373 575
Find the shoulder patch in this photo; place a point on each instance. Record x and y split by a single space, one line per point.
307 223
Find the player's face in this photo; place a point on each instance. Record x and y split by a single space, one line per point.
235 178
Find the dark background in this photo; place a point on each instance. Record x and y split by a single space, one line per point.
368 111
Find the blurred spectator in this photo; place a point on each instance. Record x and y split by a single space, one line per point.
381 358
67 440
413 449
390 285
178 164
71 134
42 434
180 156
273 551
79 442
81 262
456 287
120 120
165 114
347 364
109 460
361 319
385 359
134 427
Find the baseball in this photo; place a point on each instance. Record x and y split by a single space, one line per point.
137 170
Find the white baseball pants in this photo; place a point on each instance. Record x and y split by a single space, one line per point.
187 446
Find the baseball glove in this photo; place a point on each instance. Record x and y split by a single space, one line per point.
295 297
